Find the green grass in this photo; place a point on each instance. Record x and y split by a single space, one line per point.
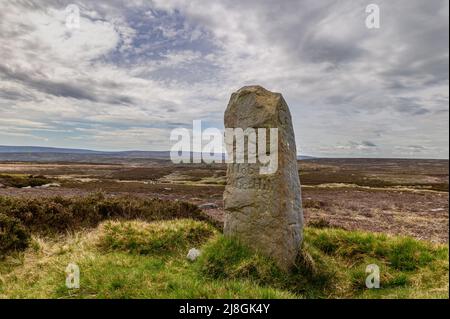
154 238
136 259
409 268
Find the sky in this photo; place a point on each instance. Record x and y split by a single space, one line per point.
132 71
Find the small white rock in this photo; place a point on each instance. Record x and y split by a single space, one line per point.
193 254
50 185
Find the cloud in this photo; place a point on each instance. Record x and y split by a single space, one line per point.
368 144
138 68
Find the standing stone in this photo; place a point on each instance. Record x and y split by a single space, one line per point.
264 211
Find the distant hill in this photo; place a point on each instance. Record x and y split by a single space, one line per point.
304 157
54 154
38 149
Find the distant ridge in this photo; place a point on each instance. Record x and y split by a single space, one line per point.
39 149
49 154
55 154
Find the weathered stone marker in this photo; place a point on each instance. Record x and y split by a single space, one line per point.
264 210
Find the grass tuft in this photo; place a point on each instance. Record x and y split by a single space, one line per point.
401 253
227 258
153 238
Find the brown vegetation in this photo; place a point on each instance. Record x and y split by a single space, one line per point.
393 196
47 216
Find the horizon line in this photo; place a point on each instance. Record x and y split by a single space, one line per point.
168 151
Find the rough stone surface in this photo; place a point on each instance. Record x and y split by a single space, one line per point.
264 211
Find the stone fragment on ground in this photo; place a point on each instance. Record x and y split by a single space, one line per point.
193 254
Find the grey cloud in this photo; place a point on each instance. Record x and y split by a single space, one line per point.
298 30
416 147
418 73
334 52
368 144
15 95
47 86
339 99
423 34
410 105
62 89
362 144
120 99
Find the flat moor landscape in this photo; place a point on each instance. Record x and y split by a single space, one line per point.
396 196
350 207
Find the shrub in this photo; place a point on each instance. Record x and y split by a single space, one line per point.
311 203
13 235
58 214
155 237
19 181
